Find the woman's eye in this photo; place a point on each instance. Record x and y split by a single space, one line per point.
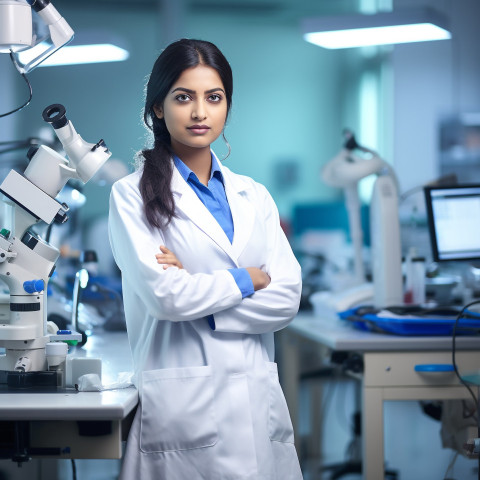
182 98
215 98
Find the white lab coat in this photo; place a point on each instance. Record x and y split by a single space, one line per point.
211 406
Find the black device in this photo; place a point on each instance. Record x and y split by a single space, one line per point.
453 214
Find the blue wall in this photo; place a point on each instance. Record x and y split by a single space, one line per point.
287 97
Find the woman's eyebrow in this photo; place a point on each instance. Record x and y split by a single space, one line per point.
182 89
215 90
187 90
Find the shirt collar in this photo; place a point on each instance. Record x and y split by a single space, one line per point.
187 173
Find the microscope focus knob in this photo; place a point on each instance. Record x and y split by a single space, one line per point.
32 286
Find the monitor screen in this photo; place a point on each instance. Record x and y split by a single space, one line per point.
453 215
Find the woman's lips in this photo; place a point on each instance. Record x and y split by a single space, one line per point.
199 129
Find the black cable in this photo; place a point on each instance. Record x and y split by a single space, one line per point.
457 373
29 87
74 469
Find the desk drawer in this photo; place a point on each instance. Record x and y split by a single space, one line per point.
398 369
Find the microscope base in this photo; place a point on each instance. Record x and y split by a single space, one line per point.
28 382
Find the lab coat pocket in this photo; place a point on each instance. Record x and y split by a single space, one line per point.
177 410
280 427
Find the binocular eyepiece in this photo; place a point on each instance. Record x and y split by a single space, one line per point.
56 115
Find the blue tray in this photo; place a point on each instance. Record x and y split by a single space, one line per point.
431 325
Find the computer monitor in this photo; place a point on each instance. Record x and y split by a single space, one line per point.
453 214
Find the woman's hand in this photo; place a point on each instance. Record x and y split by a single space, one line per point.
167 258
259 278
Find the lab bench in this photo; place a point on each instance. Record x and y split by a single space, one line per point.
74 424
389 372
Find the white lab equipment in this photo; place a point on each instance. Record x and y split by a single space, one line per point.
29 46
77 367
27 261
345 171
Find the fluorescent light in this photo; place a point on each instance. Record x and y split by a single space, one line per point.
79 54
378 29
361 37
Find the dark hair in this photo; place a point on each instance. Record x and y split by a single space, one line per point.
155 183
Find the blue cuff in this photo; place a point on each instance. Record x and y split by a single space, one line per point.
244 281
211 322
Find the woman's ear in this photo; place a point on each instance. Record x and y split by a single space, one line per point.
158 111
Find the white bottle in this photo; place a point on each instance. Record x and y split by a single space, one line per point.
56 353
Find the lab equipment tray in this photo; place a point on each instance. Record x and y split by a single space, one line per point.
413 320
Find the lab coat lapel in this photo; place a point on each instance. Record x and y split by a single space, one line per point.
243 211
188 202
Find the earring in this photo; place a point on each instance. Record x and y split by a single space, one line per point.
158 112
227 144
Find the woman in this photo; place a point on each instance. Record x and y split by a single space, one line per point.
201 311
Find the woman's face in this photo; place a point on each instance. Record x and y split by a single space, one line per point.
195 109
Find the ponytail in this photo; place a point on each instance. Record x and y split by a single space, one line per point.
155 186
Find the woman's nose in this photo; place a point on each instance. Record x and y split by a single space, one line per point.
199 112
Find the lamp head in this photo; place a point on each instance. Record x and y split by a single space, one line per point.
15 26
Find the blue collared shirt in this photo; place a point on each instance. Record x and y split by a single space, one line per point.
213 196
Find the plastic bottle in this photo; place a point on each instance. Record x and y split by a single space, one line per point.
418 280
415 278
56 353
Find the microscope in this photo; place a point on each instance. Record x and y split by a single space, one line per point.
345 170
27 261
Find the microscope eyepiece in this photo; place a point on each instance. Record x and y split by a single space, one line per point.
56 115
38 5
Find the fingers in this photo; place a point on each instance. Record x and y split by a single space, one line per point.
169 263
260 279
167 258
